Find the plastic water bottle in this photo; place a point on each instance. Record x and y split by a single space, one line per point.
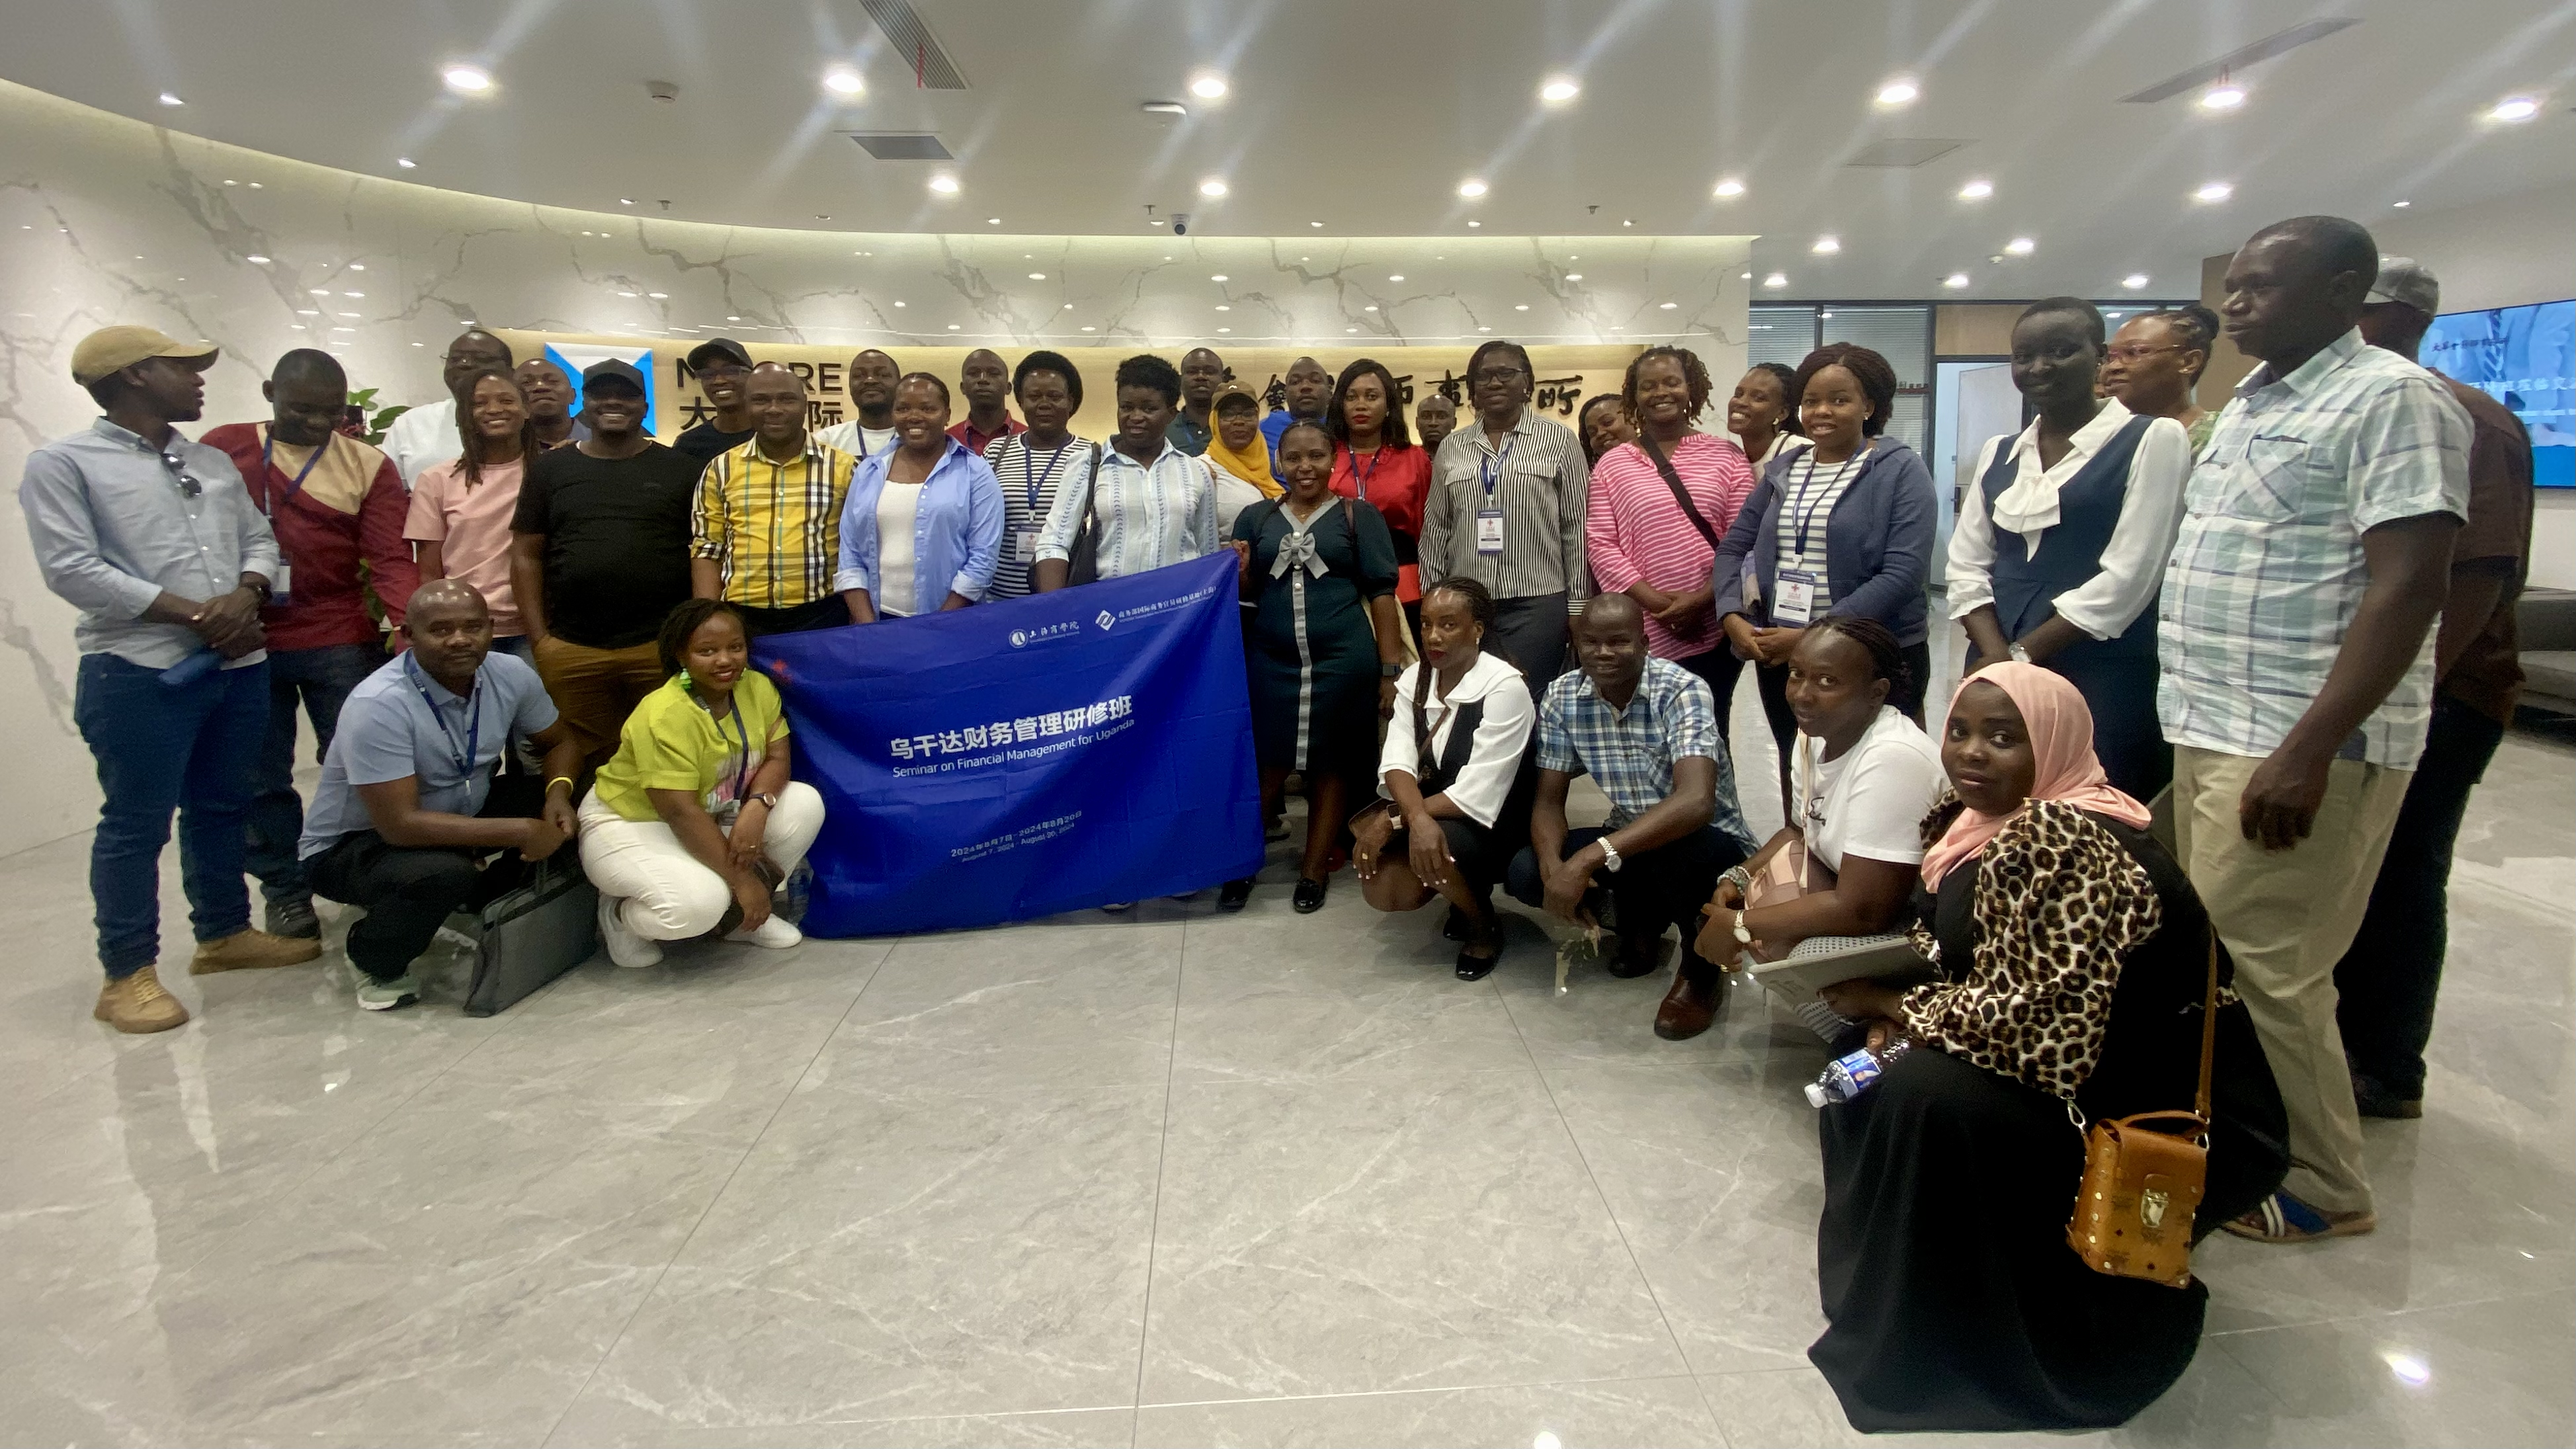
191 669
1848 1077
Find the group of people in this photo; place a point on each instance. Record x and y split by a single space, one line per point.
1445 622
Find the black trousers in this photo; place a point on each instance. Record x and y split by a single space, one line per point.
828 612
409 891
2389 977
1773 681
1533 637
1653 889
1719 667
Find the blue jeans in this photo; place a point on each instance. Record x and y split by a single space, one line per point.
193 750
323 677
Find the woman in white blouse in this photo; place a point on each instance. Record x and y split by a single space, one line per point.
2063 534
1453 799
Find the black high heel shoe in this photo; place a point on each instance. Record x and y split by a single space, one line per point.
1235 893
1310 896
1477 968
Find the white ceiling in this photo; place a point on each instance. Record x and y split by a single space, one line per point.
1365 115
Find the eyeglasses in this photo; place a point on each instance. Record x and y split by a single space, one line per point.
180 475
1499 374
2137 351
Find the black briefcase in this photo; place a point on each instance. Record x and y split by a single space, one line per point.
533 933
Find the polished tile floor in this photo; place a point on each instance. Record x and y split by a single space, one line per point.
1175 1178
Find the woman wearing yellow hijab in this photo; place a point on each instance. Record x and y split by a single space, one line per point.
1238 448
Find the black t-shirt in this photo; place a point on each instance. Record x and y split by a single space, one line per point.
706 440
617 540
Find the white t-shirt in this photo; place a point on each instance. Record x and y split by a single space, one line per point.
423 438
898 515
854 440
1870 802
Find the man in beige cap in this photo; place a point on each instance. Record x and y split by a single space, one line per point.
153 538
2387 980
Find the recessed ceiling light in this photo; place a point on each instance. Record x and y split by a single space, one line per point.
360 295
2020 246
1219 277
2509 110
1977 190
405 162
1669 306
1484 329
1826 246
471 80
306 312
1776 279
1398 277
2224 96
1350 329
945 184
1955 280
357 266
260 261
1371 307
1559 91
1471 188
630 201
168 99
1037 276
1748 276
898 304
732 319
1475 223
952 326
1222 307
2401 205
1209 88
2213 191
1212 187
844 82
1225 329
659 296
1520 306
818 216
1314 223
1898 92
1731 186
992 221
2135 281
626 294
317 291
1574 276
1090 329
256 185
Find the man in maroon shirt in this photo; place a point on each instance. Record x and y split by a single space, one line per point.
337 507
986 382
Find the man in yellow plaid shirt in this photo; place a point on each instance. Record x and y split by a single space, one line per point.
766 517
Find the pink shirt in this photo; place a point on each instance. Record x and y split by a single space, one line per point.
472 528
1634 531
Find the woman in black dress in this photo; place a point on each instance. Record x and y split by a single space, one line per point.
1325 648
2074 960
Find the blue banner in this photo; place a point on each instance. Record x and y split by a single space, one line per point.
1028 756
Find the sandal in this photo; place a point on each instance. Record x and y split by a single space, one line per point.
2282 1218
1310 896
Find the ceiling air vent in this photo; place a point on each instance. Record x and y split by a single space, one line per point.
902 146
914 45
1902 153
2235 60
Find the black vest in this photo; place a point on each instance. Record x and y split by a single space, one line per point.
2088 509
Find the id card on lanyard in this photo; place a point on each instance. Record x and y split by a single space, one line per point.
284 584
1795 606
1024 541
467 761
1489 518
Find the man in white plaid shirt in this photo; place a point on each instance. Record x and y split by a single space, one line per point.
2298 665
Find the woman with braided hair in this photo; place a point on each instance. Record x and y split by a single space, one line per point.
1453 793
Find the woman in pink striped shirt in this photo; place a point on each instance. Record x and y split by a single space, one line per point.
1644 540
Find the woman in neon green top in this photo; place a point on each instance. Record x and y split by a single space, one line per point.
695 812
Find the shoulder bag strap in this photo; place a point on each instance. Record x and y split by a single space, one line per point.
2208 1031
1673 480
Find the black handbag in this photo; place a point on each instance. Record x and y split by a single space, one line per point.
532 933
1673 480
1082 564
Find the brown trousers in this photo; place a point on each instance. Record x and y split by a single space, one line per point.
596 689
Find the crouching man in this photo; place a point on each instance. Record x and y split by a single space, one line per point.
409 820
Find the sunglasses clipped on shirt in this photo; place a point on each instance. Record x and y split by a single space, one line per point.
180 475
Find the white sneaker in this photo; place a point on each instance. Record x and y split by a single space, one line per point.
775 934
624 946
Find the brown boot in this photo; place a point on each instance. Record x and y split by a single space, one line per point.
1690 1007
249 949
137 1004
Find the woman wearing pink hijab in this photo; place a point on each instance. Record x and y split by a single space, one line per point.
2073 960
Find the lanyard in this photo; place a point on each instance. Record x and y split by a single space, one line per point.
473 712
1034 479
1360 480
1489 468
268 449
742 733
1813 498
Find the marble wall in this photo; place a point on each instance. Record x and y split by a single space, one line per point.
104 219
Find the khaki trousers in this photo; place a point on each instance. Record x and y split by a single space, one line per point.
2287 918
596 689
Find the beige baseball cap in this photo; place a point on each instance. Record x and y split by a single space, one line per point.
111 348
2404 279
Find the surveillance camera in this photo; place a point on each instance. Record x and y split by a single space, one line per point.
1180 223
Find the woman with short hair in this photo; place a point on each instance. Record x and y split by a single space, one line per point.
1149 504
2062 536
2075 967
1034 466
1660 505
2153 367
1603 423
695 819
459 519
1325 647
1841 524
921 532
1375 462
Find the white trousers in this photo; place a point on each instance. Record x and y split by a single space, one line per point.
663 892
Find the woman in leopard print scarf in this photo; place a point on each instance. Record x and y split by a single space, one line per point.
2073 961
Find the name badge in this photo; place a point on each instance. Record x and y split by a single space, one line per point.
1796 606
1024 545
281 586
1489 530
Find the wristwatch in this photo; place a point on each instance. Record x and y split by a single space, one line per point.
1609 856
2020 655
764 797
1389 671
1742 936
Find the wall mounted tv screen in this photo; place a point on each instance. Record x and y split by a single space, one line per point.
2525 358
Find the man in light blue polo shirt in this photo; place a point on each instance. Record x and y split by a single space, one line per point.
409 818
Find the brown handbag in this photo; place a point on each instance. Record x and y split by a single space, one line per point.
2142 1183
